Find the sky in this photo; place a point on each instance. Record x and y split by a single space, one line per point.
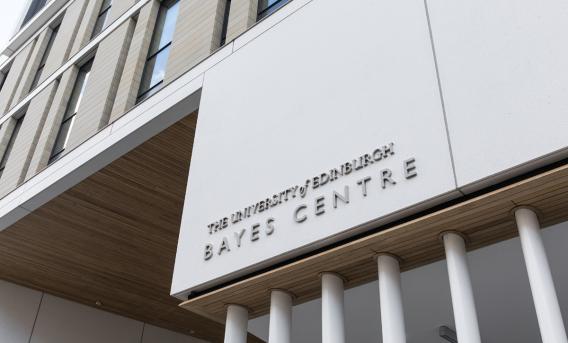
9 16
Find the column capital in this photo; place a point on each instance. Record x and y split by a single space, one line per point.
345 280
239 306
465 237
282 290
527 207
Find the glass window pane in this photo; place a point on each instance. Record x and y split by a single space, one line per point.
155 70
47 51
165 26
100 24
79 90
35 7
267 7
62 137
106 5
225 22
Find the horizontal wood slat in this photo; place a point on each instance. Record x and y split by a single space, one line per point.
485 220
112 238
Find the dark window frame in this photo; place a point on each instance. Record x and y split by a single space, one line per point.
143 93
269 10
35 7
71 113
225 26
45 56
103 15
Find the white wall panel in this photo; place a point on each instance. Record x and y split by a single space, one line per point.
504 75
63 321
332 81
18 308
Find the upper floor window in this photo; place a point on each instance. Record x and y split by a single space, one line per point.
102 18
157 60
267 7
46 52
10 145
35 7
225 27
71 112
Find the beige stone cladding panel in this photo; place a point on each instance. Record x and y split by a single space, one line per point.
95 108
14 77
119 7
87 25
52 122
198 33
134 66
30 70
65 39
6 130
242 16
92 11
26 141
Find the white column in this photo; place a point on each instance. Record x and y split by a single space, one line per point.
280 317
332 307
236 326
542 286
390 293
465 314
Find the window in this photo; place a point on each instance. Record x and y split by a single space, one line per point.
71 112
102 18
267 7
157 60
10 145
35 7
39 71
225 22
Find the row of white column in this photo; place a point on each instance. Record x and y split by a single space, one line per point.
392 315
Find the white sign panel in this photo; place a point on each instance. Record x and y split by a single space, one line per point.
315 130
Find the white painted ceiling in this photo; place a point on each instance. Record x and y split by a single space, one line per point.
502 294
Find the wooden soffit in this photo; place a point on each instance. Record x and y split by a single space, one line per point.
110 241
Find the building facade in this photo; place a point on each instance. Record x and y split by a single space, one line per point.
284 171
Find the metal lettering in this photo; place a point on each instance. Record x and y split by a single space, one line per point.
255 233
344 198
320 205
324 179
270 227
297 212
239 237
386 177
378 155
363 183
410 168
208 252
388 150
316 182
224 246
